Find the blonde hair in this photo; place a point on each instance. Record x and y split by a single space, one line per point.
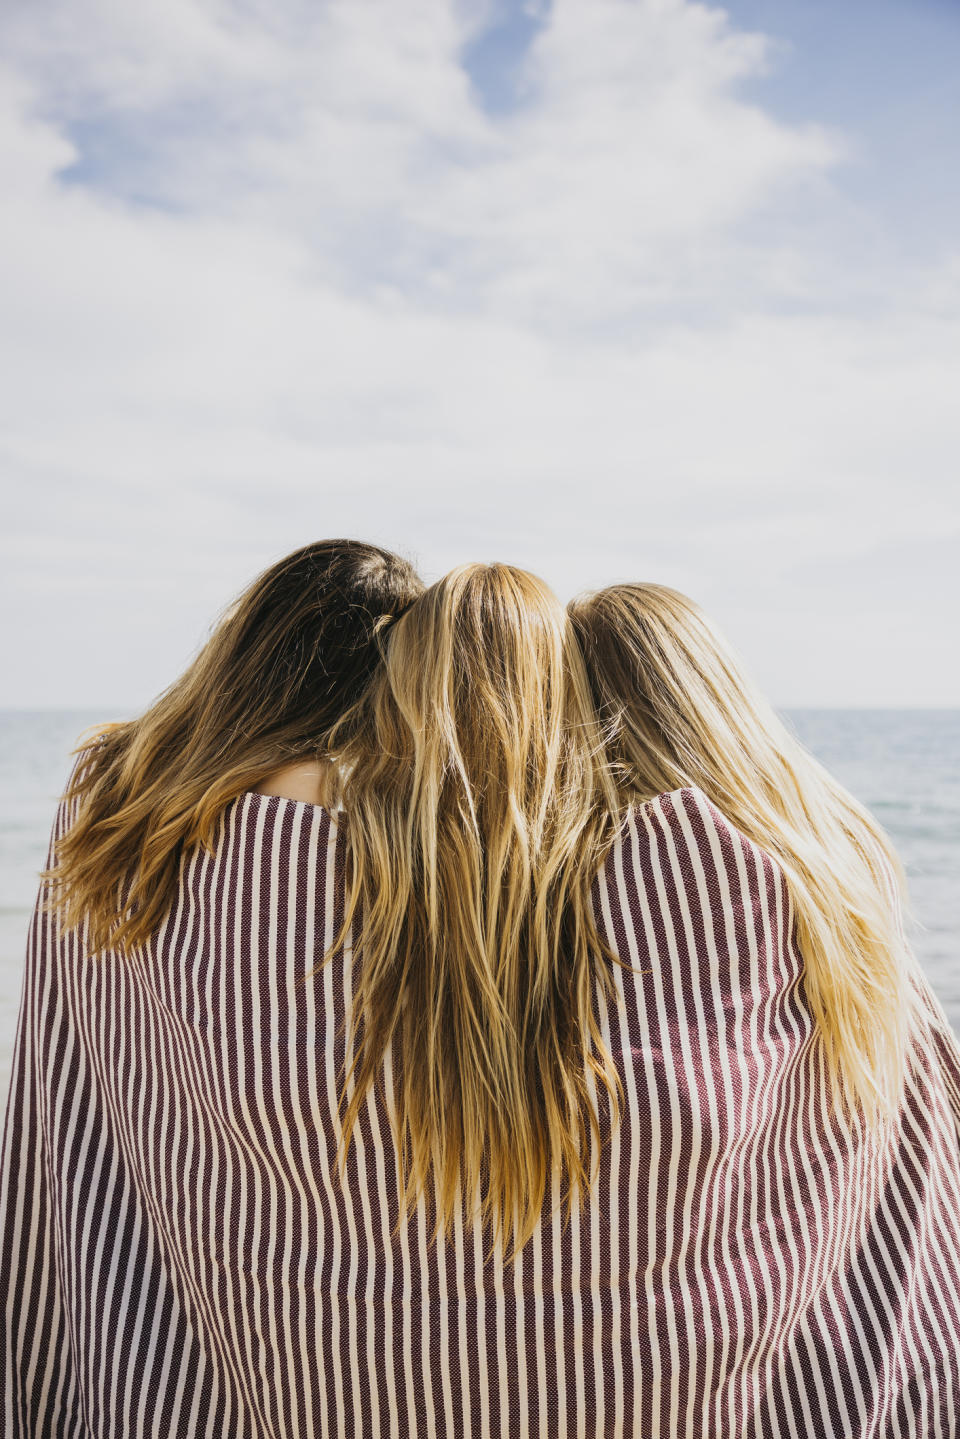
476 810
681 713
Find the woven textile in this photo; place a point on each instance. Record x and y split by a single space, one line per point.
181 1257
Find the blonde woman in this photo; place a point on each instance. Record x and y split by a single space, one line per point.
797 1258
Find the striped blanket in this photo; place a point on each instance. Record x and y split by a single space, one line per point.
180 1255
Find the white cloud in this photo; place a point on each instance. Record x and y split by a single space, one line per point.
354 127
272 271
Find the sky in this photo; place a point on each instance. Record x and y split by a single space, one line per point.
609 289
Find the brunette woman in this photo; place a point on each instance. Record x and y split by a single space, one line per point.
129 1056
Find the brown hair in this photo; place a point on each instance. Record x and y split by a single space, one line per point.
478 810
680 711
286 660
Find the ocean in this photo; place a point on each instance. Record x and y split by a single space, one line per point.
903 764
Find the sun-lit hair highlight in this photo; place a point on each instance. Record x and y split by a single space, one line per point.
477 809
681 712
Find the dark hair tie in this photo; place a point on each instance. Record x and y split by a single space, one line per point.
386 621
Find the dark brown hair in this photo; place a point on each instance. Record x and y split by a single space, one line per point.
287 659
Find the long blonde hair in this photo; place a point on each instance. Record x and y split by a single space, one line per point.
289 657
681 712
476 808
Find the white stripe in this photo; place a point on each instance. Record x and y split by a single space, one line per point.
558 1317
330 1107
356 1166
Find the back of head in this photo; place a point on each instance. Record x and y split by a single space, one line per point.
476 814
286 660
680 711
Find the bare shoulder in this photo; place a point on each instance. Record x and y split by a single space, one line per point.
302 780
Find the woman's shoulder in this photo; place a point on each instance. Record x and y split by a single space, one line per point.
301 781
688 812
687 831
300 787
682 882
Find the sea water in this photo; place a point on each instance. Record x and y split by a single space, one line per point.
903 764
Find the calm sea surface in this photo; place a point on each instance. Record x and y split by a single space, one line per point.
903 764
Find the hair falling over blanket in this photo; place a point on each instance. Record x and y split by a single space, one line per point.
477 810
681 712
